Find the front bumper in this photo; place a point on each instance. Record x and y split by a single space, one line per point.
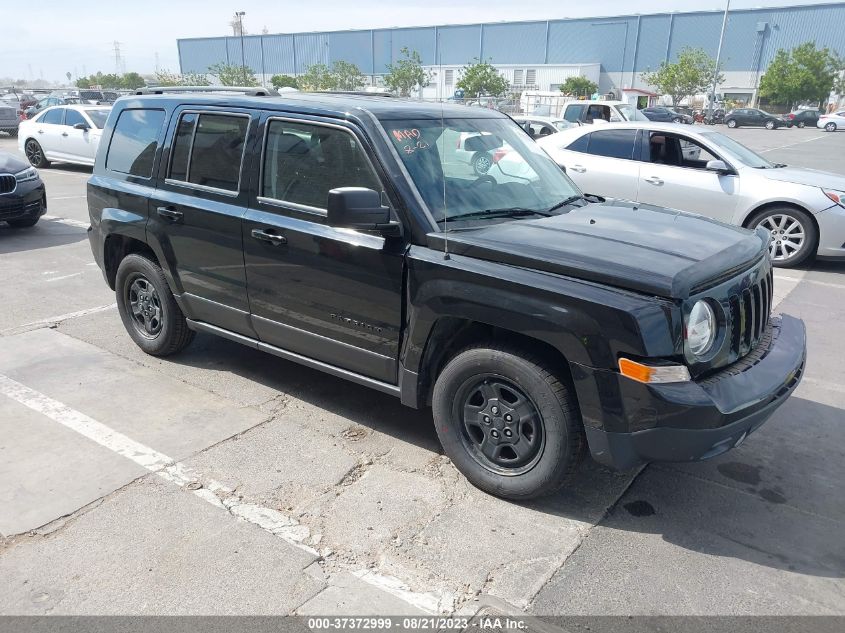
29 200
629 423
831 223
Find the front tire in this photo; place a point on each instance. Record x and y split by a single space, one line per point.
35 155
147 308
800 124
732 123
830 127
508 422
794 236
770 125
481 163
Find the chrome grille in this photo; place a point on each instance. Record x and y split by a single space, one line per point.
750 311
7 183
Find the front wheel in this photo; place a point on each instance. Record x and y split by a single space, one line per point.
793 235
830 127
35 155
147 308
800 124
770 125
481 163
732 123
507 422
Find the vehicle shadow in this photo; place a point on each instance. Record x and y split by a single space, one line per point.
45 234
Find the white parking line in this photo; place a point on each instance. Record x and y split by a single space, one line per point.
806 140
69 222
63 277
66 197
57 319
207 489
827 284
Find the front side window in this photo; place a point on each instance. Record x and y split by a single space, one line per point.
676 151
54 116
303 162
613 143
134 142
208 150
478 170
72 117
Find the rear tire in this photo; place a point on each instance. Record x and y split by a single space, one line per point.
785 224
147 308
770 125
830 127
35 155
483 391
800 124
731 123
481 163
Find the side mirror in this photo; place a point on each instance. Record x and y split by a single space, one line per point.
357 208
719 166
81 126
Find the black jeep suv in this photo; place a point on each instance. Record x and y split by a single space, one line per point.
351 234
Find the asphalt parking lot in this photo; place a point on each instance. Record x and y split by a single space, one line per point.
227 481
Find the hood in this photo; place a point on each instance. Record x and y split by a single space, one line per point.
811 177
10 164
638 247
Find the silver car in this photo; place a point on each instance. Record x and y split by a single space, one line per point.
705 172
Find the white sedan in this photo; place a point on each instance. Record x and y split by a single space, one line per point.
832 122
679 167
69 134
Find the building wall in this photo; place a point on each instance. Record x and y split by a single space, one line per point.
624 46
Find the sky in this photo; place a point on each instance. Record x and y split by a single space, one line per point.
52 37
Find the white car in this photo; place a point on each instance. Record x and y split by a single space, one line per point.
705 172
69 134
539 126
589 112
832 122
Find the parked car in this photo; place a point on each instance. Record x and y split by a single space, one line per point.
47 102
10 117
588 112
538 126
666 114
535 322
832 122
703 171
752 117
22 99
69 134
802 118
23 197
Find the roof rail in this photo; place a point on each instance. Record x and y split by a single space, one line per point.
249 91
358 93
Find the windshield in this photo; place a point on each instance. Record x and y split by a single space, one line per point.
630 113
478 166
98 117
562 124
738 150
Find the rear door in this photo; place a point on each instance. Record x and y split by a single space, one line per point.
606 165
330 294
197 209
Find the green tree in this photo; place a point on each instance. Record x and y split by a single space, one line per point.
233 75
805 73
482 78
317 77
407 74
579 86
692 74
284 81
167 78
131 81
347 76
83 82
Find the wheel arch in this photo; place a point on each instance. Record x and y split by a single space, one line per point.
116 247
746 222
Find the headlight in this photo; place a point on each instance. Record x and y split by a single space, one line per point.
837 196
26 175
701 328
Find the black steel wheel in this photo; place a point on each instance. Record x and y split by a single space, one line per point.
508 421
147 308
34 154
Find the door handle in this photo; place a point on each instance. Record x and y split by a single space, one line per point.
654 180
170 213
64 133
41 131
579 169
265 236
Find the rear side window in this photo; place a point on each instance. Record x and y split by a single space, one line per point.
134 142
208 150
302 162
613 143
53 116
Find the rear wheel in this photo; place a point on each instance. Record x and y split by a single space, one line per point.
732 123
507 422
770 125
801 124
792 233
481 163
34 154
830 127
147 308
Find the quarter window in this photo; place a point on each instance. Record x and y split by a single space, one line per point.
613 143
579 144
134 142
208 150
303 162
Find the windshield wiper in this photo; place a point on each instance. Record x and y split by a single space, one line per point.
566 202
506 212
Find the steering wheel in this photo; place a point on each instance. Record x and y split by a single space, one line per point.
482 179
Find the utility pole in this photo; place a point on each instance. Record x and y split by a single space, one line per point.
240 16
718 58
117 59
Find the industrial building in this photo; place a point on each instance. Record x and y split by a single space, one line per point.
540 55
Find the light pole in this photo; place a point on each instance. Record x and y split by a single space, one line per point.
718 57
240 15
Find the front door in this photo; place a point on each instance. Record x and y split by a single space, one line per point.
77 144
197 210
674 174
330 294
